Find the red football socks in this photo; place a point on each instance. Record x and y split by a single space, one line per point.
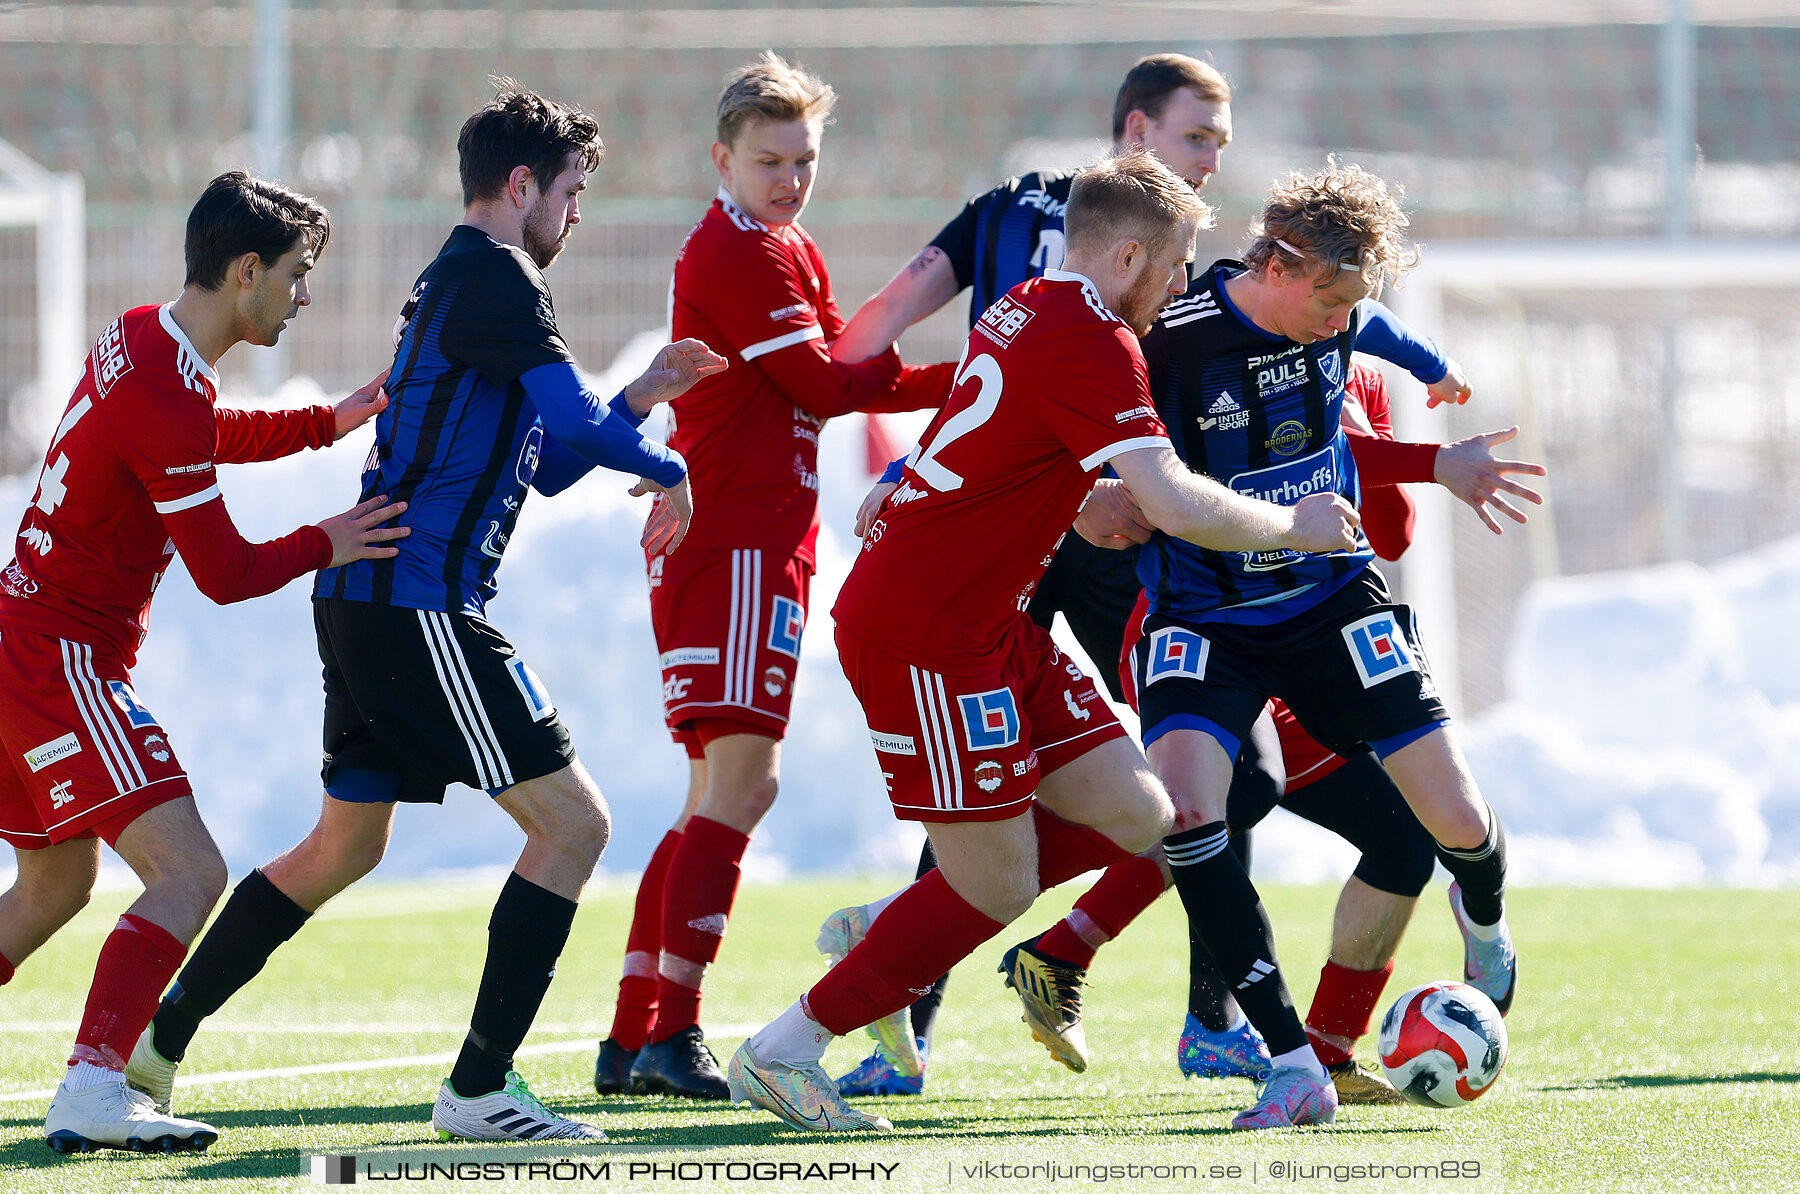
635 1014
698 891
1066 849
6 970
921 935
1342 1007
136 963
1122 892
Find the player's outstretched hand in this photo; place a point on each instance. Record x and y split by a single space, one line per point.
1111 518
357 533
1324 522
676 368
1452 387
871 506
361 406
669 517
1468 469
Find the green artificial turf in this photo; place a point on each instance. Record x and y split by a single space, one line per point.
1655 1045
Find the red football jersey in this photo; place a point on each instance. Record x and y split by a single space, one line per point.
761 297
1051 386
129 477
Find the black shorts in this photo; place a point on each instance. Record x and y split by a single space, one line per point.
1095 590
1351 669
418 699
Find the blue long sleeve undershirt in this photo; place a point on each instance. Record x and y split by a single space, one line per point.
580 433
1383 335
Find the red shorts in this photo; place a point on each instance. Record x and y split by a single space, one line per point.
728 628
970 745
83 758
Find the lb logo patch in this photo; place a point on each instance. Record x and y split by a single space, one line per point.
1176 654
990 719
787 619
1379 649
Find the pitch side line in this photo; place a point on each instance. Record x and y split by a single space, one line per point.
373 1063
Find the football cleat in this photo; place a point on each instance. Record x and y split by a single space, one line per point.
151 1073
1050 993
1234 1053
837 937
612 1068
682 1066
1491 967
877 1076
510 1114
803 1096
1357 1086
1292 1096
113 1115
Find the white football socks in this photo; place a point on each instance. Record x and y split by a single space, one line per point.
1302 1058
793 1037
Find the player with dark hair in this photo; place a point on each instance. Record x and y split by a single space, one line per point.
1249 369
988 734
729 611
128 481
420 689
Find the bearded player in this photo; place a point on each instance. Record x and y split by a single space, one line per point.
128 482
986 733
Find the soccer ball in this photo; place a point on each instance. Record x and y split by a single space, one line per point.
1443 1044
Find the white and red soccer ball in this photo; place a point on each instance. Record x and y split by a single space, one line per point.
1443 1044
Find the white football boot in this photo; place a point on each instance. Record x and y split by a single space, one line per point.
113 1115
510 1114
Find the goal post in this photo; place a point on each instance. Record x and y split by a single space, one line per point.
51 204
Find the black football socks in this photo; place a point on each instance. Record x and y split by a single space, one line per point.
252 925
1481 873
1224 908
526 935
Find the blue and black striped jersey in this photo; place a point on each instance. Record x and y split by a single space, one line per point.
1260 414
460 439
1007 235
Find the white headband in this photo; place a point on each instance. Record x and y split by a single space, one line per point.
1353 268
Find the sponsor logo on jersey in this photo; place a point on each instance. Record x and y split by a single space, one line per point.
494 545
40 757
906 493
774 680
1378 649
675 688
787 620
1279 372
1041 199
126 700
38 539
1020 767
1224 414
893 744
804 477
656 573
806 433
684 656
1176 654
1075 710
990 719
111 360
157 746
205 466
529 454
1289 437
808 418
794 312
1286 483
1051 247
1136 412
1004 320
14 581
60 793
988 775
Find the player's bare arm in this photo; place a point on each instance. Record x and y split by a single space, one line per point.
1111 518
871 505
357 533
361 406
1454 387
1189 506
926 283
673 373
1469 469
